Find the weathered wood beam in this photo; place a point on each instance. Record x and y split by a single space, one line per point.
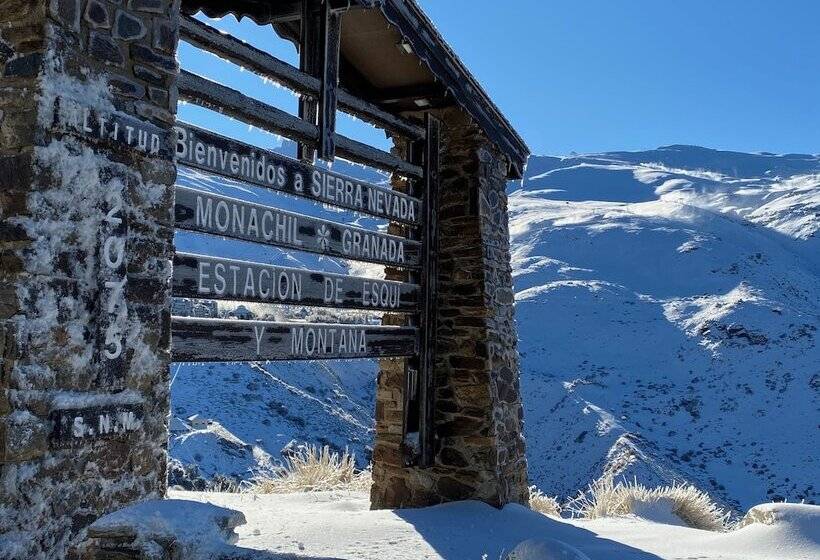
433 93
328 99
204 277
213 153
264 64
310 61
429 296
239 219
222 99
225 340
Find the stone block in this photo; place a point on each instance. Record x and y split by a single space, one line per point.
128 27
156 115
166 36
24 66
153 59
147 75
159 96
96 14
153 6
23 437
103 48
127 88
67 12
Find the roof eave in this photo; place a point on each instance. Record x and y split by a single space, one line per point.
423 37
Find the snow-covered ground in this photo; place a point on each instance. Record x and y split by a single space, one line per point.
341 525
668 314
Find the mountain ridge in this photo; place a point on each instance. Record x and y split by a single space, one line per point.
667 308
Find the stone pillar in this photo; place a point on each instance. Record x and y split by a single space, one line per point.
87 102
477 412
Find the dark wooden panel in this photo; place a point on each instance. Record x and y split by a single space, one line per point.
220 98
199 276
239 219
221 340
237 160
429 311
331 36
309 62
206 37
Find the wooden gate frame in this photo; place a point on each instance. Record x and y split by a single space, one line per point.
314 131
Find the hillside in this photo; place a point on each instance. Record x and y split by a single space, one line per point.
668 309
668 314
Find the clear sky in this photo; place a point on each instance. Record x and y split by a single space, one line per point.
598 75
595 75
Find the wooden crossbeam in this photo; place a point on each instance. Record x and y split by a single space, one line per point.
213 153
206 277
212 95
230 48
239 219
225 340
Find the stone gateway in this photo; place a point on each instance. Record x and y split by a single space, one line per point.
89 148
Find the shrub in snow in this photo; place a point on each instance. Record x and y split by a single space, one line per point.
545 549
542 503
312 469
605 498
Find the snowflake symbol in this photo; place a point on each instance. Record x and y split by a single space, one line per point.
323 238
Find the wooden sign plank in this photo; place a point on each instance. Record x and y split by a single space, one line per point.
223 156
225 340
204 277
239 219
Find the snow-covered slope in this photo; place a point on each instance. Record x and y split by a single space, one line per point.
668 311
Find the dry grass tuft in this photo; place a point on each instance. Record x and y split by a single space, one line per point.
542 503
605 498
313 469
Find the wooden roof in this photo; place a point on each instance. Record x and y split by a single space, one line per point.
391 55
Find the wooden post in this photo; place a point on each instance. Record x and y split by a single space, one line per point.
331 37
418 386
309 62
426 390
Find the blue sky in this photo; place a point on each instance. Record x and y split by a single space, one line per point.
596 75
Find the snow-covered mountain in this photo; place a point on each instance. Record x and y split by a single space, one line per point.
668 311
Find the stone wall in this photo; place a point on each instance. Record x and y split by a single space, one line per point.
479 447
87 100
